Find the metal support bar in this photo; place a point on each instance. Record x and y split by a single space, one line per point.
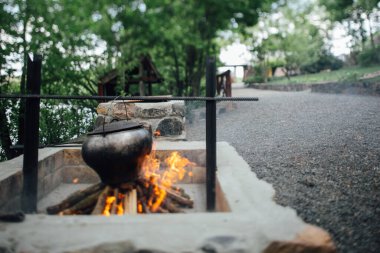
210 134
32 116
143 99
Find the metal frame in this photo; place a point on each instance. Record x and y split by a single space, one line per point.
210 135
30 167
32 119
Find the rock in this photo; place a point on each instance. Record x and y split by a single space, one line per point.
101 119
167 117
153 110
116 247
170 126
224 244
310 240
117 109
178 108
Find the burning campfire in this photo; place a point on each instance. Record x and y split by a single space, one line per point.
153 192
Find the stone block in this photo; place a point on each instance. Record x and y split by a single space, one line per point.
49 183
58 159
117 109
12 205
194 175
170 126
168 117
153 110
178 108
115 247
310 239
101 119
10 188
80 174
46 166
198 175
72 157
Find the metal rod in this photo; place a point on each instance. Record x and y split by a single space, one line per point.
71 145
30 162
210 134
145 99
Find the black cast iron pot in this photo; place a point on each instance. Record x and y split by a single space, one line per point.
116 151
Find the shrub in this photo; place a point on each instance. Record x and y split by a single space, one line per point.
325 61
369 56
254 79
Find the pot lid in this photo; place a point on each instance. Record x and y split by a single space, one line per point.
116 126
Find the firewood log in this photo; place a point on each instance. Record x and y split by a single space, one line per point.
85 203
161 210
179 199
180 192
114 204
74 198
98 209
130 202
144 207
126 187
12 217
171 207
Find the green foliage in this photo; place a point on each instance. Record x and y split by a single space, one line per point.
61 122
360 16
255 79
341 75
81 40
326 61
291 39
369 56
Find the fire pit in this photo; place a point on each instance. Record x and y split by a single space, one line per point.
152 192
247 219
132 178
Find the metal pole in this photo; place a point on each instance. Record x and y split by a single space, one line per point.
210 134
32 111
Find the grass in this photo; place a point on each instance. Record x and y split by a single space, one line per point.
344 74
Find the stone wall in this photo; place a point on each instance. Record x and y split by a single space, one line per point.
166 117
357 88
281 87
54 168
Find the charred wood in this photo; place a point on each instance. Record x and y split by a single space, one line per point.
75 198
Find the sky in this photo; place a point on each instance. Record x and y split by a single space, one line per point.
238 53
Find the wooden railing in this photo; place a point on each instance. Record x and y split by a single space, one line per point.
223 84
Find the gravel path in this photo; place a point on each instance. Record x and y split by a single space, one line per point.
321 152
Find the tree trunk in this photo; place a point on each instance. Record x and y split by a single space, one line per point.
141 83
196 84
21 116
5 137
179 83
370 30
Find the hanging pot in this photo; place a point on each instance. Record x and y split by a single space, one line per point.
117 150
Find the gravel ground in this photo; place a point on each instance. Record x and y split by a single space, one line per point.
321 152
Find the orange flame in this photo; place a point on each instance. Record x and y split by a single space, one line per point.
158 178
174 171
107 208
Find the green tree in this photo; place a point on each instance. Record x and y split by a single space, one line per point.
288 37
80 40
356 13
176 32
